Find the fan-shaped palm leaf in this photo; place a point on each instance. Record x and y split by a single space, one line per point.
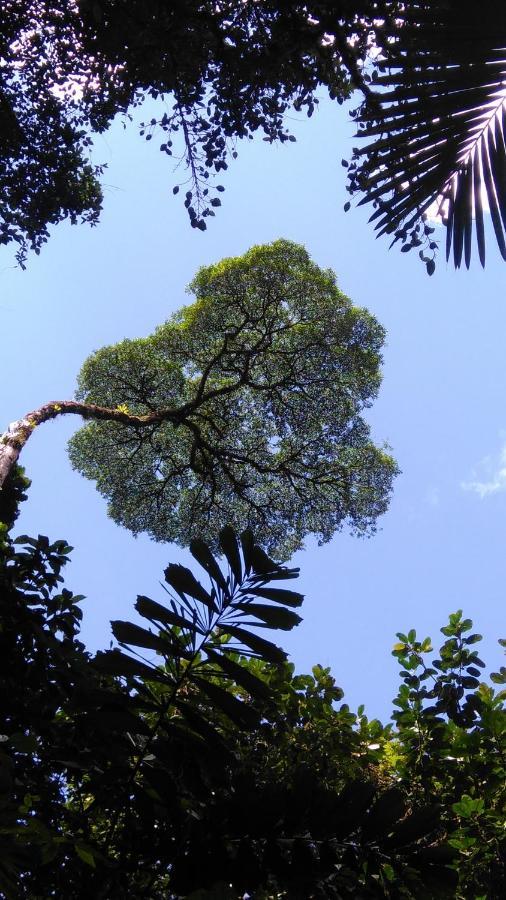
438 124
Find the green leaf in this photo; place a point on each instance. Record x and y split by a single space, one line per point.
468 806
263 564
184 582
281 574
462 842
388 871
85 854
499 677
201 726
230 547
278 595
114 662
128 633
150 609
473 671
201 552
239 712
262 648
240 674
273 616
247 544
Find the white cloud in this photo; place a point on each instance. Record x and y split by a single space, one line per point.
496 482
432 497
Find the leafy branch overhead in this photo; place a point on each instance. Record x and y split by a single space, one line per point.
435 122
219 72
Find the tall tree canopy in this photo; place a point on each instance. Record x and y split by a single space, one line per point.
251 400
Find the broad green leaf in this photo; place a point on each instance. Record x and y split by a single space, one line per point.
184 582
273 616
500 676
114 662
85 854
128 633
201 552
150 609
278 595
467 806
262 648
281 574
238 711
240 674
230 547
263 564
200 725
247 544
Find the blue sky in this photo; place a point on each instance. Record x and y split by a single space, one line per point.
441 408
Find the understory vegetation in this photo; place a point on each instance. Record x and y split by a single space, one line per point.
191 760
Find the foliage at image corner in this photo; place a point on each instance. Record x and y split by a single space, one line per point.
129 773
432 130
220 73
432 110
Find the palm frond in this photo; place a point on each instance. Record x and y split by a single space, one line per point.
437 119
200 637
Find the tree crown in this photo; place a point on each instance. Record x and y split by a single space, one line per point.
256 393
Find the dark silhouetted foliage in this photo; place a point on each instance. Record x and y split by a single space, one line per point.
435 125
191 761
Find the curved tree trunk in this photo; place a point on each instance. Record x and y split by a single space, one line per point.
11 444
14 439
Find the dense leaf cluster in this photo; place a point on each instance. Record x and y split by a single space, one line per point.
257 392
219 71
430 73
45 171
191 761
